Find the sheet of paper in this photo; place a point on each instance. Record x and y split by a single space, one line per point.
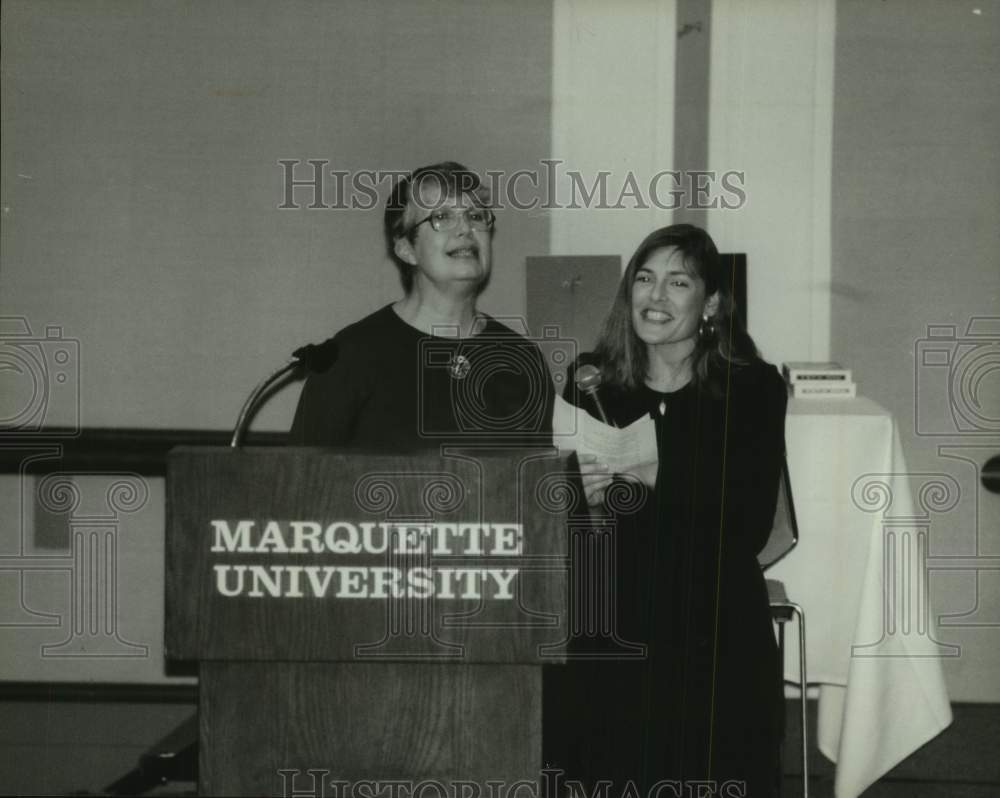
620 449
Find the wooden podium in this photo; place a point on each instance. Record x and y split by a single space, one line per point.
366 617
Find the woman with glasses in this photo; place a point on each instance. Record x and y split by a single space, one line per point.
705 700
430 368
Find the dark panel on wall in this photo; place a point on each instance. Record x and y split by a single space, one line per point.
572 294
691 83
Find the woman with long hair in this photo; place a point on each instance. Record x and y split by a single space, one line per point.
704 702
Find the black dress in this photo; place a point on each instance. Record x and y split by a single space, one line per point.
705 700
395 388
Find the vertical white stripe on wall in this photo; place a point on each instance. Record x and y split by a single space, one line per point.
771 116
612 111
822 264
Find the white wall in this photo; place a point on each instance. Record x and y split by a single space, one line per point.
771 116
612 111
916 246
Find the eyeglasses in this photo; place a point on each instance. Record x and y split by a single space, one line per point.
445 220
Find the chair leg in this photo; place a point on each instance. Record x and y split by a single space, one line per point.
781 681
803 699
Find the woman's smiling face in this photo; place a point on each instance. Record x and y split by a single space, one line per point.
668 300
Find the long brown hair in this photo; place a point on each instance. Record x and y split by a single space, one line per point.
622 355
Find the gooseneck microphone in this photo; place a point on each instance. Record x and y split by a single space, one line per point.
317 358
311 358
588 380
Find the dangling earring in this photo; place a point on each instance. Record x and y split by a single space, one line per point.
706 329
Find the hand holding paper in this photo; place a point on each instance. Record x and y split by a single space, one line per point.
620 449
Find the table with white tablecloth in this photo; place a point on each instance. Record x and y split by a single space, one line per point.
859 572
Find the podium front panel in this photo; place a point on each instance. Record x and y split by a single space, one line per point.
319 555
283 728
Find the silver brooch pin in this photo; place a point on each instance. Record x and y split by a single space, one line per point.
459 366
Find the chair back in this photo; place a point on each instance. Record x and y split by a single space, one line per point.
785 531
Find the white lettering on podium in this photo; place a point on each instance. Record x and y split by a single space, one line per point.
507 539
384 578
442 538
474 532
445 591
368 544
285 581
293 591
344 537
319 588
396 540
222 584
346 544
421 583
271 581
303 531
503 578
272 539
228 540
352 582
411 539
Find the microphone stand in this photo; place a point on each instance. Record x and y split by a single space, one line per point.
592 393
246 413
315 358
588 380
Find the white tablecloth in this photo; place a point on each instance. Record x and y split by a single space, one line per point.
859 575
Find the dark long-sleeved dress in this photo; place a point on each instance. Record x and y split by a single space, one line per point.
395 388
705 700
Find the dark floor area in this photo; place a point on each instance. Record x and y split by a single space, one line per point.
64 748
961 762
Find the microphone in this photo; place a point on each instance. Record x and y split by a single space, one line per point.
314 358
317 358
588 380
